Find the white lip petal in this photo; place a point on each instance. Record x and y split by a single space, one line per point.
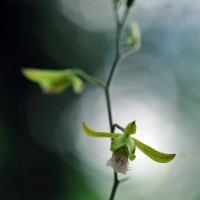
118 163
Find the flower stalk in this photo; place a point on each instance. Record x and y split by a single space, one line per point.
119 26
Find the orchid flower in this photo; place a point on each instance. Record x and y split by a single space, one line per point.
54 81
123 147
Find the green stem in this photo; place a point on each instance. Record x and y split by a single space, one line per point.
109 109
116 15
125 15
117 56
89 78
115 185
119 25
117 43
135 48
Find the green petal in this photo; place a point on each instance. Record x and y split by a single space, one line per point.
38 75
131 156
54 87
152 153
88 131
131 147
118 142
130 128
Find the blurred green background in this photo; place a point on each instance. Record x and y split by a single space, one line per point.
43 153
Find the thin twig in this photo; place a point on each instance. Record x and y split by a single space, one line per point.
125 15
89 78
117 57
116 15
132 50
109 109
115 185
119 127
119 25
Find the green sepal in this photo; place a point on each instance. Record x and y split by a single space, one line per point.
53 81
118 142
130 128
131 156
131 147
133 34
152 153
88 131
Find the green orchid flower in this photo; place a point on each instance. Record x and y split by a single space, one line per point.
123 147
54 81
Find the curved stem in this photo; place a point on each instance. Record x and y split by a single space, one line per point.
135 48
119 25
117 44
116 15
89 78
125 15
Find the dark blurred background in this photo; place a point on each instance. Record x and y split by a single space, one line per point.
43 153
29 170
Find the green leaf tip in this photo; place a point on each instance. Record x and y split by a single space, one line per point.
130 128
54 81
154 154
88 131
